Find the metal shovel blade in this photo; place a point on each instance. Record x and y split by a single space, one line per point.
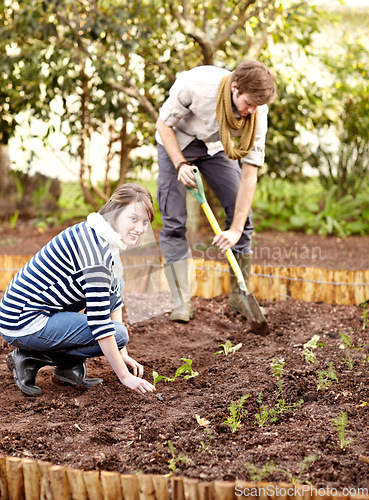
252 312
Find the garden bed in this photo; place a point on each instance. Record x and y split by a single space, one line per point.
111 428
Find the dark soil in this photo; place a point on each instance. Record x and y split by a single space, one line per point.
109 427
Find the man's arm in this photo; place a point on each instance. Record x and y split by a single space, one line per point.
245 195
171 146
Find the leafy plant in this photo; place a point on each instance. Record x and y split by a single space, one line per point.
326 377
267 415
297 479
13 219
158 377
207 447
277 368
228 348
309 347
258 474
236 413
307 206
340 423
281 406
185 370
348 345
173 461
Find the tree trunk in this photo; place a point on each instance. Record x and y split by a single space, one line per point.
4 168
127 143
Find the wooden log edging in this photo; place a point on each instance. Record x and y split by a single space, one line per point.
29 479
310 284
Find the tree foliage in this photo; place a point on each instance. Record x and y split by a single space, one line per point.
345 161
105 66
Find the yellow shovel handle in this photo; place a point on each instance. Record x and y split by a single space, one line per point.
229 254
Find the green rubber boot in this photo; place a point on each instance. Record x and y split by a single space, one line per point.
177 276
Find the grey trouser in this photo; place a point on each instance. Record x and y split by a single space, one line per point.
222 175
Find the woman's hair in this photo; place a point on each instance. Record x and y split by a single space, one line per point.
124 196
255 79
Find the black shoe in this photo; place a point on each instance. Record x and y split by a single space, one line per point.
25 365
74 374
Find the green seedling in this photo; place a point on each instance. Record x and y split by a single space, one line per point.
277 368
185 370
207 447
13 219
351 350
227 348
236 413
257 474
340 423
309 347
172 462
326 377
303 465
157 378
281 406
267 416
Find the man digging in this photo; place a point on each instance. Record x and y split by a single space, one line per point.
208 106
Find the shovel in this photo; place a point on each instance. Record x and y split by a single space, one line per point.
250 307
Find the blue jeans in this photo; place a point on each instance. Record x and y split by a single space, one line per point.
68 331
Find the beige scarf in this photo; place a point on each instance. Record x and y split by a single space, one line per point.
227 121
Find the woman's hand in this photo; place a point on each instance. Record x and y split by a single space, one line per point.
137 369
137 384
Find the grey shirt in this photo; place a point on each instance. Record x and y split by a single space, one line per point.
191 110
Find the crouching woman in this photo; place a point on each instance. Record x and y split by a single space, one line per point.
78 270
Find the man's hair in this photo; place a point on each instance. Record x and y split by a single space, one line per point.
124 196
255 79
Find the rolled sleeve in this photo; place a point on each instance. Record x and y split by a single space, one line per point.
177 106
257 154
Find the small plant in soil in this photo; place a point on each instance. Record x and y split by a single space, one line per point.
351 349
267 416
172 462
309 347
236 413
207 447
326 377
281 406
297 479
340 423
257 474
228 348
185 370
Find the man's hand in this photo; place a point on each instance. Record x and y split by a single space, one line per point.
226 239
186 177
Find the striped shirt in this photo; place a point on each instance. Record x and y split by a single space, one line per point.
75 265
